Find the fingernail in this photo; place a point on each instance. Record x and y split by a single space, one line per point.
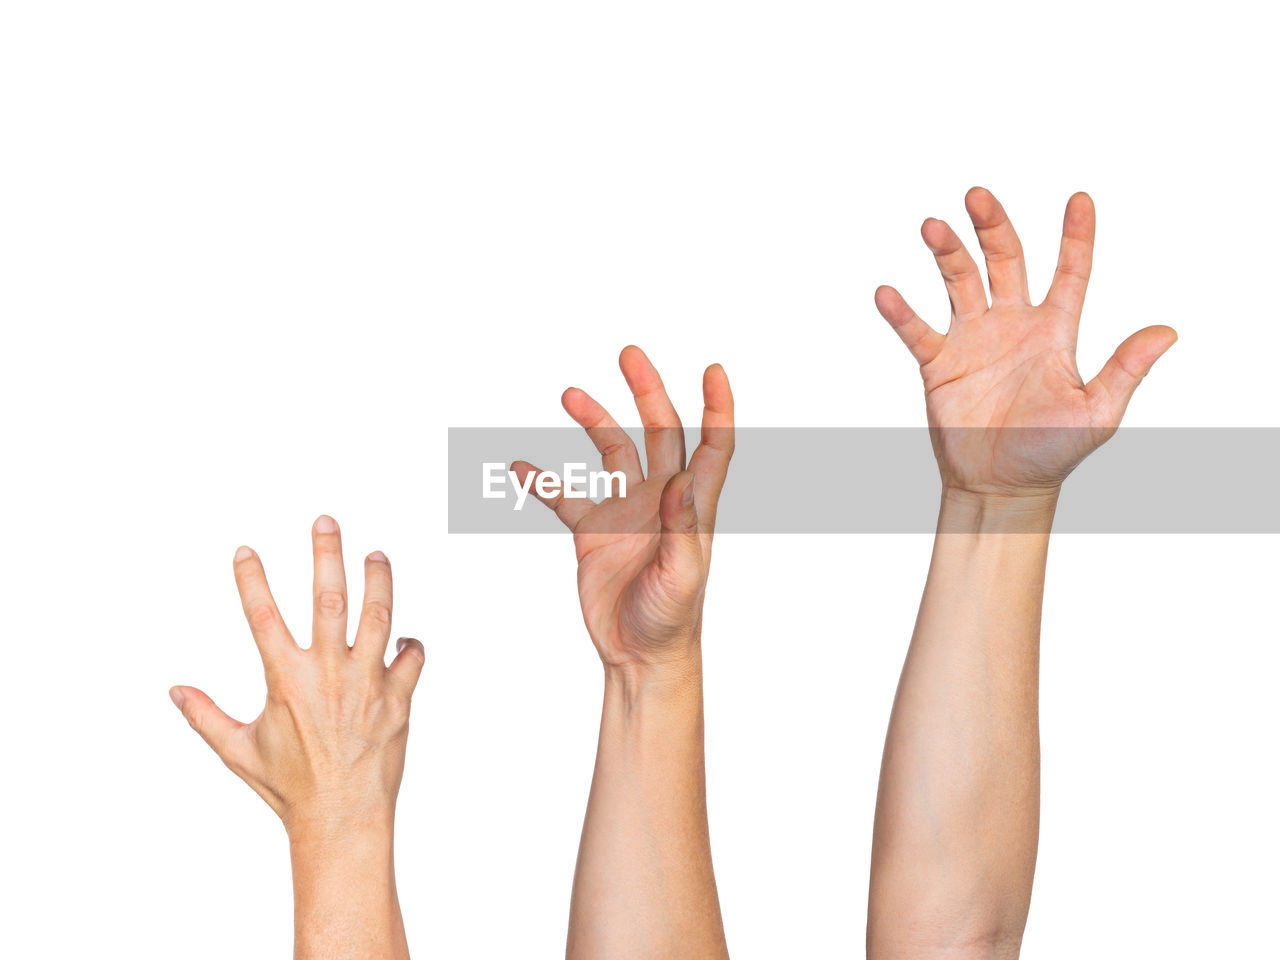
176 696
404 642
378 557
687 497
244 553
326 524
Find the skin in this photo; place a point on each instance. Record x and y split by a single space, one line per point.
957 815
644 885
327 752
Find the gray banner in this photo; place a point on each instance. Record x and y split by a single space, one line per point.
885 480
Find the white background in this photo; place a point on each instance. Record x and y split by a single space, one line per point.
255 258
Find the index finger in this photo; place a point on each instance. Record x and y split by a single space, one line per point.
1075 257
269 632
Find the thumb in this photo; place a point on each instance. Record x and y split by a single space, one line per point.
680 548
1114 386
206 718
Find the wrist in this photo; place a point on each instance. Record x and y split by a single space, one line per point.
318 828
344 887
650 712
653 696
663 681
969 511
322 856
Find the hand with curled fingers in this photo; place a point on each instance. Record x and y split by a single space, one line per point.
328 750
644 884
643 558
1009 413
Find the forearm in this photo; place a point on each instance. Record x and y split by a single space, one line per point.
957 817
344 894
644 885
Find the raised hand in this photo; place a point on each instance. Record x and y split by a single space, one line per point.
330 742
1009 411
957 814
328 750
643 559
644 886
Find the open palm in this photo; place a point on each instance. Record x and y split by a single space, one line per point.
643 558
1008 410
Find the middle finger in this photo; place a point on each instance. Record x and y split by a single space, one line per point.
328 589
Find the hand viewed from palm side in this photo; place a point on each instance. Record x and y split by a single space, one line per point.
1008 411
643 559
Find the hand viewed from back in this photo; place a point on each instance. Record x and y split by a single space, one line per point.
328 750
643 559
329 745
1010 413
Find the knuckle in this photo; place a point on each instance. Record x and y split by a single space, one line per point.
331 603
328 545
661 430
398 709
261 616
284 689
1003 256
378 614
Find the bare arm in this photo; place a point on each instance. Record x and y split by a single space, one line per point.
344 893
957 815
327 752
644 886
